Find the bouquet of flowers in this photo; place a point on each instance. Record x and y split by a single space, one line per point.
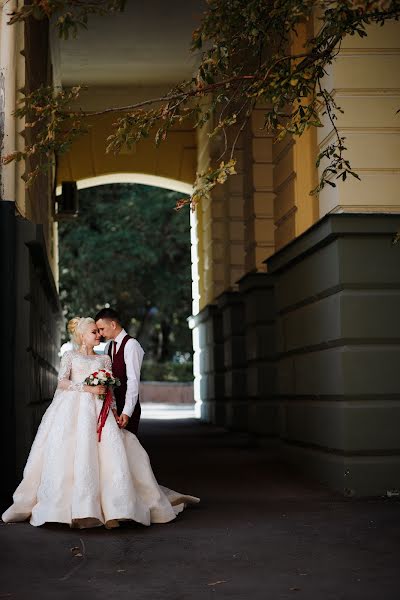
103 377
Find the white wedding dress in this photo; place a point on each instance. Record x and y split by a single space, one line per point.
72 478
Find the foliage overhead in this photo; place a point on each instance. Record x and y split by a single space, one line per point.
129 248
246 58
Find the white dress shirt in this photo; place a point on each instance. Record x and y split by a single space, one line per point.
133 357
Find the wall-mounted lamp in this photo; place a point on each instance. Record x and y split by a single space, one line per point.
67 204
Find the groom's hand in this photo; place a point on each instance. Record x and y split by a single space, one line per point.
123 420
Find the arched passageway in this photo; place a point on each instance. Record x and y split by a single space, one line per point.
173 167
128 229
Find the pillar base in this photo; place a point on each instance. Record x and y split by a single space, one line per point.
231 307
209 364
257 291
357 476
338 352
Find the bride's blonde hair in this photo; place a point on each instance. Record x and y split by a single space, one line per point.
76 328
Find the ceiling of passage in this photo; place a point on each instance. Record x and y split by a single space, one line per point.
146 45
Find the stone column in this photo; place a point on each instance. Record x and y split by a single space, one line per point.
257 291
338 349
233 328
259 193
234 203
208 363
213 233
295 175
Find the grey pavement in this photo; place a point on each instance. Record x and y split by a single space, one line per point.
261 532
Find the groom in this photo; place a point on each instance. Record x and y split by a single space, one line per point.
126 354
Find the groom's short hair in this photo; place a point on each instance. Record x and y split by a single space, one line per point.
108 313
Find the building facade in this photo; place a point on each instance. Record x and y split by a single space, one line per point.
295 298
297 339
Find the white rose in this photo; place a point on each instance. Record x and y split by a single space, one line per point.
95 381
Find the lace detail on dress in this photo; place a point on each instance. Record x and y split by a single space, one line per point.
75 367
64 374
107 363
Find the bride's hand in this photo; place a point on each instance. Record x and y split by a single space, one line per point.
98 390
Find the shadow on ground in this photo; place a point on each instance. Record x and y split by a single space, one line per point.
261 532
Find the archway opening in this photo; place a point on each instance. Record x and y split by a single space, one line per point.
130 249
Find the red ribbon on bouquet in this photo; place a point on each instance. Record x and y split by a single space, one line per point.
105 409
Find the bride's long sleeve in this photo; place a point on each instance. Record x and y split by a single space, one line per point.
64 381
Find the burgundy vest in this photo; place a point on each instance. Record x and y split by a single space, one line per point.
119 370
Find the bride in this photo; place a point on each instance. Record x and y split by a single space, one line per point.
71 477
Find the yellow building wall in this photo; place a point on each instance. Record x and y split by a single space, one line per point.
237 222
220 224
295 174
210 231
174 159
22 63
13 78
365 80
234 201
259 193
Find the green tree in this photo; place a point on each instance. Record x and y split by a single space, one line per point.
245 58
130 249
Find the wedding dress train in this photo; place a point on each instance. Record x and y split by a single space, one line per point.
72 478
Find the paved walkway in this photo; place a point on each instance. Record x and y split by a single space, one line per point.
260 533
